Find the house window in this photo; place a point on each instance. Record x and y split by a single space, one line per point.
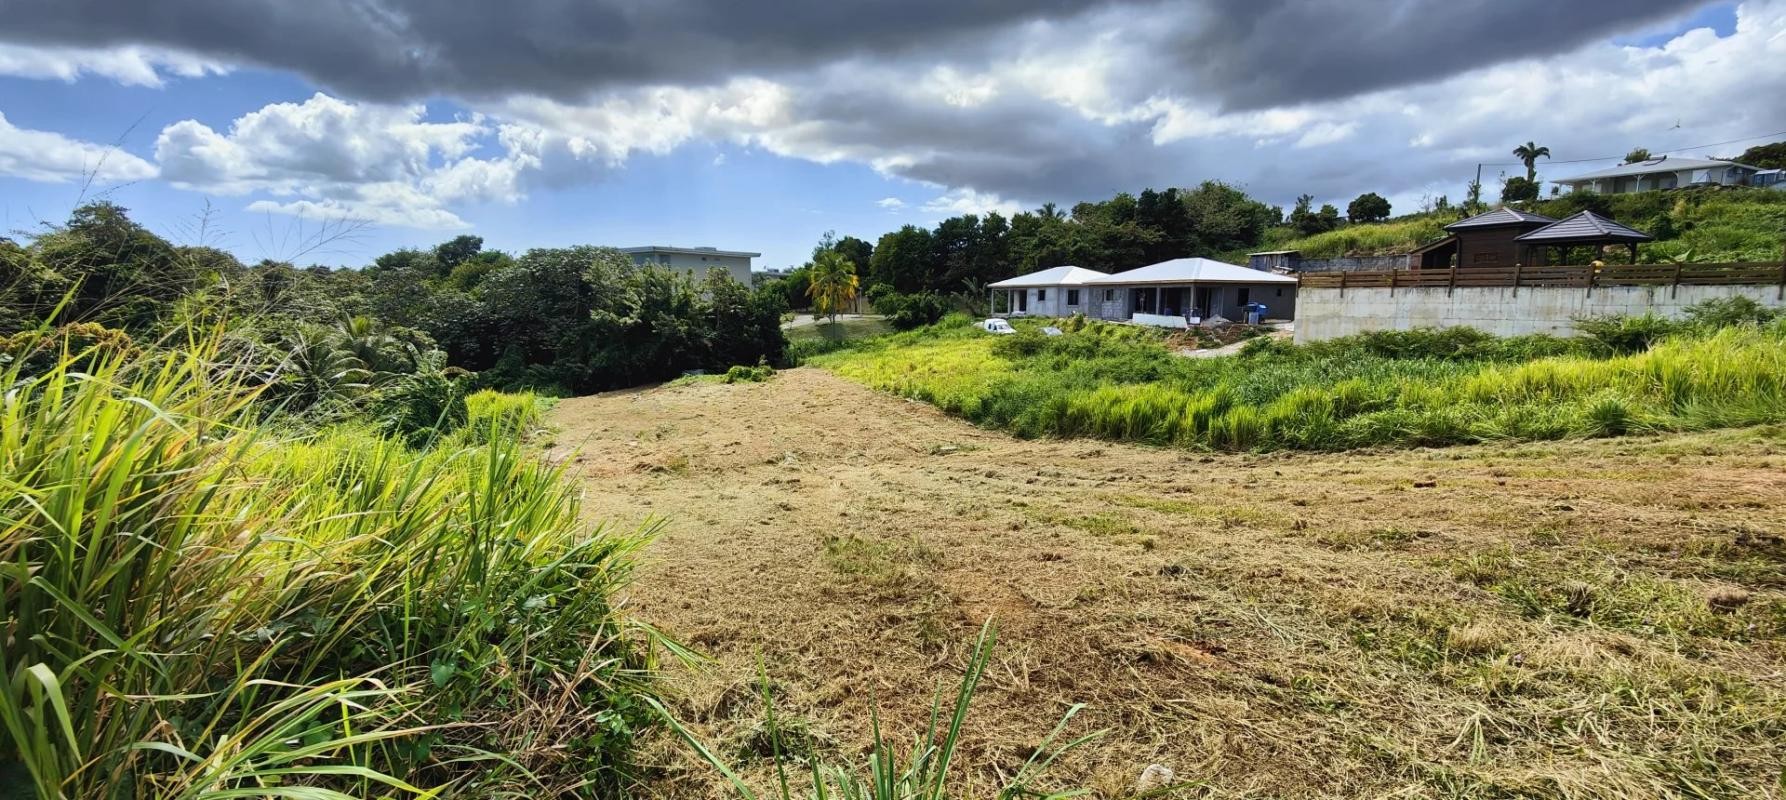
1041 294
1280 292
1484 258
1072 297
1109 295
1246 296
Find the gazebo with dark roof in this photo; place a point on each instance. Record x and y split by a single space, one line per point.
1583 229
1484 240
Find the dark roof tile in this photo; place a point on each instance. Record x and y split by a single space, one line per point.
1499 217
1585 226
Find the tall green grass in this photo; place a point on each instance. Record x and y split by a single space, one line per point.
198 608
1424 388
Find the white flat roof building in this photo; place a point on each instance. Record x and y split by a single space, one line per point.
696 261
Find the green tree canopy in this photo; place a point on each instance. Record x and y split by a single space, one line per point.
1309 221
1517 189
1765 156
1368 207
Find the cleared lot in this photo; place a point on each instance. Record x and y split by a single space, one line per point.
1596 619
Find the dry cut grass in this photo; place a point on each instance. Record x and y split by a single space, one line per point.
1589 619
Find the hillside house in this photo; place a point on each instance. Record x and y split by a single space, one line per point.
695 261
1053 292
1667 172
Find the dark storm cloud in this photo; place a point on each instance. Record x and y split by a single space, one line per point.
388 49
1247 53
1263 53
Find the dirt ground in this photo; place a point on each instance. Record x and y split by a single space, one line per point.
1588 619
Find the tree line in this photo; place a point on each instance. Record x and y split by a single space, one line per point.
568 320
914 274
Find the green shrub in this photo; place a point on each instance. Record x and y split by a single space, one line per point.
756 374
908 311
1729 312
423 406
1022 344
1627 334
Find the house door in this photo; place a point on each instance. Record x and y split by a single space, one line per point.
1172 301
1145 300
1205 302
1022 300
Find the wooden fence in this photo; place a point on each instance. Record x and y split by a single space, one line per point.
1587 278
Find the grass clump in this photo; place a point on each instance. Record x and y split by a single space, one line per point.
201 604
743 374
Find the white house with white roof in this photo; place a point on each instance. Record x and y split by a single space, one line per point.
1053 292
1174 294
1667 172
1186 291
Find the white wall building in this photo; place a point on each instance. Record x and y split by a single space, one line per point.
1053 292
1173 294
696 261
1185 291
1661 173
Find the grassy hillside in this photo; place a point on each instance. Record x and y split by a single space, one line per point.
1699 225
1396 388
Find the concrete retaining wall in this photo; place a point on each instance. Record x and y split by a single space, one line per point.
1324 313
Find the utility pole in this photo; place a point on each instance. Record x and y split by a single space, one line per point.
1478 188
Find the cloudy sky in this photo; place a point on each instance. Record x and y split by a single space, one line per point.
758 125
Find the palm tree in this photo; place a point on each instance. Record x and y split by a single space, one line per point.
833 283
1529 153
365 339
1051 211
318 369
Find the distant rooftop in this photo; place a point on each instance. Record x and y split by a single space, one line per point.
1499 217
690 251
1663 164
1053 276
1192 270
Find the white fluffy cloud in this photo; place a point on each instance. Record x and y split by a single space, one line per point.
51 157
130 65
332 158
967 201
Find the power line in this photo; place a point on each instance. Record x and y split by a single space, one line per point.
1620 158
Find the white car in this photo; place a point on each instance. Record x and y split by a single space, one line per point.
997 326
